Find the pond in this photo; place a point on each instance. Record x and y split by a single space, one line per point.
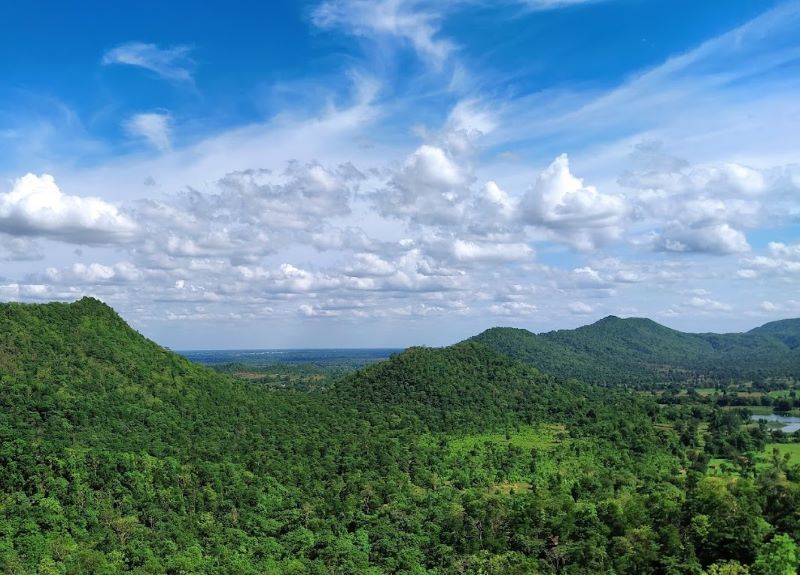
790 422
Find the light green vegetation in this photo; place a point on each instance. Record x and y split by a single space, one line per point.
525 437
793 449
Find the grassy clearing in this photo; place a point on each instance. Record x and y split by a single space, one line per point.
527 437
725 467
793 449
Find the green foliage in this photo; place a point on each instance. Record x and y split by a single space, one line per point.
635 351
117 456
778 557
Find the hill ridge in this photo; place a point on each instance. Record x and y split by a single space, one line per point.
633 350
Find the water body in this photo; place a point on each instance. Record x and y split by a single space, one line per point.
790 422
264 357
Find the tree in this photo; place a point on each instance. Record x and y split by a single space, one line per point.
778 557
728 568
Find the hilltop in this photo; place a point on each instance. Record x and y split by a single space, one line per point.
615 350
787 330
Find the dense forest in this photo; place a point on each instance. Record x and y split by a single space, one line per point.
118 456
634 351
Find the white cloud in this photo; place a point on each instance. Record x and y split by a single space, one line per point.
513 309
575 212
580 308
706 208
469 251
708 304
786 251
402 19
171 63
712 239
780 259
93 274
155 127
768 306
369 265
35 206
430 188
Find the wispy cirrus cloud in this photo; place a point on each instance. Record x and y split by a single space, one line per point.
172 63
414 22
541 5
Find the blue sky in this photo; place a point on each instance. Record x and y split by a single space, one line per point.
397 172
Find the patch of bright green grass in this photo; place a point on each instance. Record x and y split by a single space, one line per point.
793 449
526 437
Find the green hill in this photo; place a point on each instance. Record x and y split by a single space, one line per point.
117 455
787 330
634 350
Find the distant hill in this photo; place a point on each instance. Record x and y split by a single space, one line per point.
629 351
786 330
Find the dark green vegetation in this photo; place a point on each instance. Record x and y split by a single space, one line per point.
119 456
635 351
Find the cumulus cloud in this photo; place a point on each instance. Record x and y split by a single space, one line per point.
251 213
573 211
93 274
154 127
705 209
708 304
513 309
35 206
171 63
430 188
717 238
369 265
779 259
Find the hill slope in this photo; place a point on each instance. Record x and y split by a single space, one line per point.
786 330
119 456
629 351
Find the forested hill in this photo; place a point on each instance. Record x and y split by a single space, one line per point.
786 330
119 456
629 351
468 387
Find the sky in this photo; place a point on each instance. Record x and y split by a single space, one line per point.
385 173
